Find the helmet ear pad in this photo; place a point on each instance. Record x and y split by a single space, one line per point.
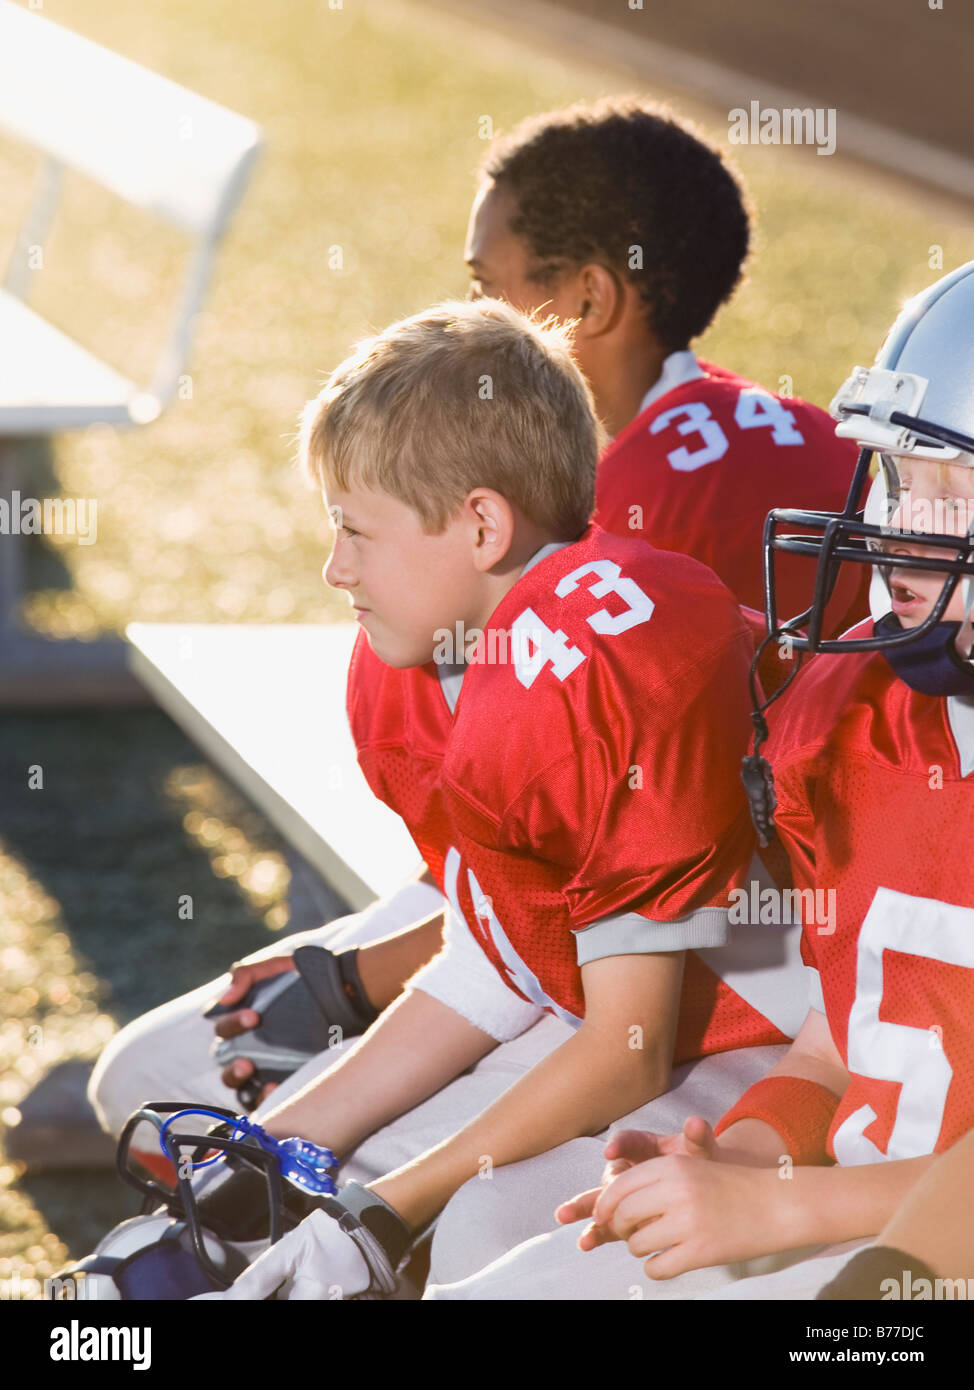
147 1257
152 1256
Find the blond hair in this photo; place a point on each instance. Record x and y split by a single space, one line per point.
464 395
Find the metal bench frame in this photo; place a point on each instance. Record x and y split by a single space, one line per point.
159 147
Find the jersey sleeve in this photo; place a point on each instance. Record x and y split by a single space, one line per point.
666 833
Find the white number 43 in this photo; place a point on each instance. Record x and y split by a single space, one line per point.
535 646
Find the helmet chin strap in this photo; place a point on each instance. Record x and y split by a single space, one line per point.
932 664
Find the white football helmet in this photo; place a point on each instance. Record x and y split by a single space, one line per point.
915 402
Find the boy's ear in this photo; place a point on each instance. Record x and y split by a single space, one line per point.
601 301
492 527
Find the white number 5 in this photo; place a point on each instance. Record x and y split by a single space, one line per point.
893 1051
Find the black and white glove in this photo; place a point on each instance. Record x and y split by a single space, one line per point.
349 1248
300 1011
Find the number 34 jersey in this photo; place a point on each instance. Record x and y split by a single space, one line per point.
584 797
701 467
876 804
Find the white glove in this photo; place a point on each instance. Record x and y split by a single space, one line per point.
321 1260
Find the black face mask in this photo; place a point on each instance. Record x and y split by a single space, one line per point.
931 664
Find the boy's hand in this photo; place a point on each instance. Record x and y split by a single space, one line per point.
694 1214
625 1150
628 1147
243 977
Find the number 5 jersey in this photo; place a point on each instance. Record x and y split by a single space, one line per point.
583 798
876 806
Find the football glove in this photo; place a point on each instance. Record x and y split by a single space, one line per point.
299 1013
348 1248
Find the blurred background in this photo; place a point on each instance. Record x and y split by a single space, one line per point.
373 115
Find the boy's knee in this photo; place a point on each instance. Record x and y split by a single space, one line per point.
503 1207
112 1085
164 1055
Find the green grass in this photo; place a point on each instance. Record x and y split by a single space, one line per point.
372 117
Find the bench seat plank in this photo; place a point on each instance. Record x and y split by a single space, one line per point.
267 705
48 382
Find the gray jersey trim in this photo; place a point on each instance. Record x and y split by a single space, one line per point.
816 999
629 934
960 712
763 965
451 679
543 554
679 368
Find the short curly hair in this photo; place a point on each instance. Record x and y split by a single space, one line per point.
625 184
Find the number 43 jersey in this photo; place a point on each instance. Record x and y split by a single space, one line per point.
876 805
584 798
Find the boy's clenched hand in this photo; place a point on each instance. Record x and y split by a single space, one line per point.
243 977
627 1150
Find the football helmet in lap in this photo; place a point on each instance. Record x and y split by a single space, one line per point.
238 1191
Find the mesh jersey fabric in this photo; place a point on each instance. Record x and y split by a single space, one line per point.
699 469
611 789
873 805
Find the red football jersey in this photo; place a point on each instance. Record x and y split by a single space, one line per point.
589 774
699 470
873 804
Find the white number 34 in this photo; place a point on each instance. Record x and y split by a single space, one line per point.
535 646
755 409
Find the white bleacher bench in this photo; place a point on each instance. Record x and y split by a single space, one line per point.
155 145
266 704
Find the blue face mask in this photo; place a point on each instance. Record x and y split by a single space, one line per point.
931 664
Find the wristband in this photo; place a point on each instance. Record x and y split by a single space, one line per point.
353 988
333 981
376 1215
862 1278
800 1111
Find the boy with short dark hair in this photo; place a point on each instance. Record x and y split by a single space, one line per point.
623 218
